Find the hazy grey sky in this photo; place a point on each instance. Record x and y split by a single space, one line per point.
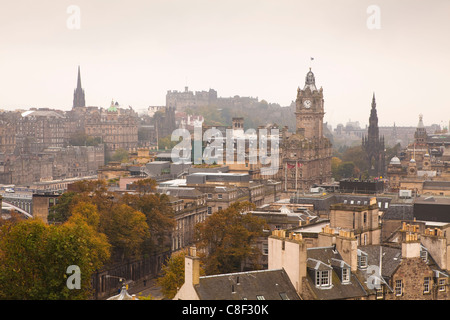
134 51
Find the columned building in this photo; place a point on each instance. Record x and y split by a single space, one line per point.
306 154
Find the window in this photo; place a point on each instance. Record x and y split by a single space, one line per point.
380 293
265 249
209 210
362 261
426 285
365 217
284 296
209 195
442 285
219 196
345 275
219 208
323 278
398 287
424 255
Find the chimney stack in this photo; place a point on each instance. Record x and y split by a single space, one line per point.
347 246
192 267
288 253
411 246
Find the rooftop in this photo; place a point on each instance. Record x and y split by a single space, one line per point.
252 285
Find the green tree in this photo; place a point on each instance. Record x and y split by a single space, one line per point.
82 139
120 155
172 275
126 230
34 258
356 155
226 240
61 211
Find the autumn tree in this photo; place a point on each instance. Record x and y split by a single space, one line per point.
34 258
227 239
126 229
158 212
144 186
172 277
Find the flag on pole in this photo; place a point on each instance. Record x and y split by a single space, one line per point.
312 58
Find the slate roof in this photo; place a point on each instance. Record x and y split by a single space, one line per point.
399 212
332 260
391 258
270 284
180 192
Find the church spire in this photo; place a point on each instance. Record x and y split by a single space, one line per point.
79 79
78 95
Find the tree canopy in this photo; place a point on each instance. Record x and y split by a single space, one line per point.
34 258
227 239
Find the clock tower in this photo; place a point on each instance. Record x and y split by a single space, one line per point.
309 109
306 154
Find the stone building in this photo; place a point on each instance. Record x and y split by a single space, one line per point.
42 128
190 208
117 127
362 220
7 136
306 154
180 100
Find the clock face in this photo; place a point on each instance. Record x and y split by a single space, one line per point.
307 104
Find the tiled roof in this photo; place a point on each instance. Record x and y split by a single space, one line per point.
269 284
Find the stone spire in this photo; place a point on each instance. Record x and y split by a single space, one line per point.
373 144
78 95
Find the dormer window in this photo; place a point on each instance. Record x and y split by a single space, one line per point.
323 278
345 275
362 260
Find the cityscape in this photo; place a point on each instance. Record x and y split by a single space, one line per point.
219 191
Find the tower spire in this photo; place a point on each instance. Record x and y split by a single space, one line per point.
79 79
78 95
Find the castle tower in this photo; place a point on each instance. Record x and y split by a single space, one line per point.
78 95
373 145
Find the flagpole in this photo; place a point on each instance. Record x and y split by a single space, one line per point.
285 178
296 178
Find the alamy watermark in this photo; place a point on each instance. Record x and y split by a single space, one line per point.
374 20
73 22
238 147
373 276
74 280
